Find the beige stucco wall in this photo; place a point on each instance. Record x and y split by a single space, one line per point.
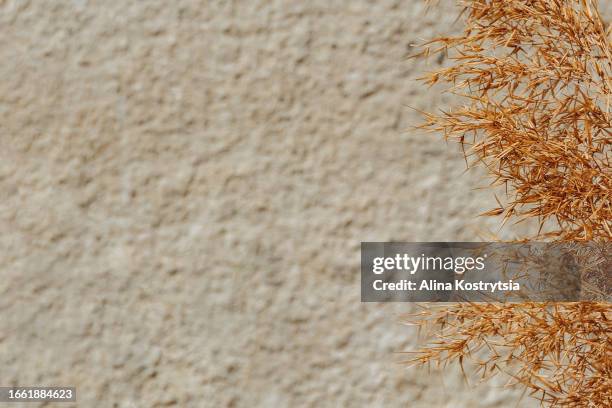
183 189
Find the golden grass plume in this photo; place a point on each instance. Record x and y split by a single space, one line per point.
535 77
560 352
536 81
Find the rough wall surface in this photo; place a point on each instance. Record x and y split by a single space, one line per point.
183 189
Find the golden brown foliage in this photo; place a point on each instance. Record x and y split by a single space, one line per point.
536 76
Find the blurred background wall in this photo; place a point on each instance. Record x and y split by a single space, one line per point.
184 187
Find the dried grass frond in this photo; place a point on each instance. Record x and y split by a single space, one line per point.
536 79
560 352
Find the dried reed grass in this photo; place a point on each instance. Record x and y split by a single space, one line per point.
536 79
560 352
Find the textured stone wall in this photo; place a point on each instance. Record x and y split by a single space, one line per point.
184 187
